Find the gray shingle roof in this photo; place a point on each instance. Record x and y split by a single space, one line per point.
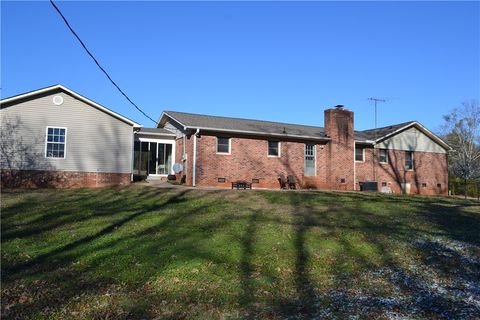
268 127
155 131
370 134
238 124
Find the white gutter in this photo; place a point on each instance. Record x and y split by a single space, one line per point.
262 133
146 133
194 169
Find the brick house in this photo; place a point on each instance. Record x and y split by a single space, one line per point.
55 137
214 151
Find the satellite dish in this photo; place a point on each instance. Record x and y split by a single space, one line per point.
177 167
57 100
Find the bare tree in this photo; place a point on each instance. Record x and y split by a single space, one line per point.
462 131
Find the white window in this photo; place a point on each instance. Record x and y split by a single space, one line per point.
55 142
409 160
383 156
274 148
223 145
310 160
359 154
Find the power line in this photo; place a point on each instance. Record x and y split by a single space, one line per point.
98 64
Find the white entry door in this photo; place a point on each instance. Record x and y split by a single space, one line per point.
310 160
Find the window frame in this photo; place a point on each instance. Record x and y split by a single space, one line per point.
363 154
314 155
229 146
64 142
386 156
412 161
278 149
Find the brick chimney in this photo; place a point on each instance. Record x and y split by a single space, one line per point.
340 150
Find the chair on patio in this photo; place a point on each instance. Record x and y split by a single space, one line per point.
283 181
292 182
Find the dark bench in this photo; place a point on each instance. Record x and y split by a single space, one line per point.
241 184
292 182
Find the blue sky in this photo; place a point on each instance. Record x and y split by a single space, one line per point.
279 61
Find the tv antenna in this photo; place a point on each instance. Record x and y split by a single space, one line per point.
375 100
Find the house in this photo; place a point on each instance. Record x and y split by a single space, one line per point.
55 137
214 151
101 147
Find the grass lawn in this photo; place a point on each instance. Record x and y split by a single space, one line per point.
141 252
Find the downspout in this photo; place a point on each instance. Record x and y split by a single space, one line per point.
194 169
354 168
132 156
184 146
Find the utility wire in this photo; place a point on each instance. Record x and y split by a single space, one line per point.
98 64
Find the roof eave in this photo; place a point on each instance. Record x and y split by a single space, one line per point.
164 113
257 133
365 142
76 95
155 134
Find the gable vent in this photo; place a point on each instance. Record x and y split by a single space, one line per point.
57 100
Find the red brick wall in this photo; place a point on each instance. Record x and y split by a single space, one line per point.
340 157
61 179
334 162
430 169
249 160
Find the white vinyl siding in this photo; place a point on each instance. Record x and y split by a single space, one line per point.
96 141
411 139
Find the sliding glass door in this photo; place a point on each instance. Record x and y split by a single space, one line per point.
164 158
152 158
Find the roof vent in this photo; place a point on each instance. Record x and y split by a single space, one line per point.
57 100
339 107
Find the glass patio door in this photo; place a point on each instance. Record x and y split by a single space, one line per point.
160 158
152 161
152 158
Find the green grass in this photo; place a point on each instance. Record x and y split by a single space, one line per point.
140 252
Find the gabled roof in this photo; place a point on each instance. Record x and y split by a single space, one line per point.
245 126
57 87
372 134
380 134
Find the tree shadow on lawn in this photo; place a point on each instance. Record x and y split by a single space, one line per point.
162 268
178 233
419 295
70 206
54 265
